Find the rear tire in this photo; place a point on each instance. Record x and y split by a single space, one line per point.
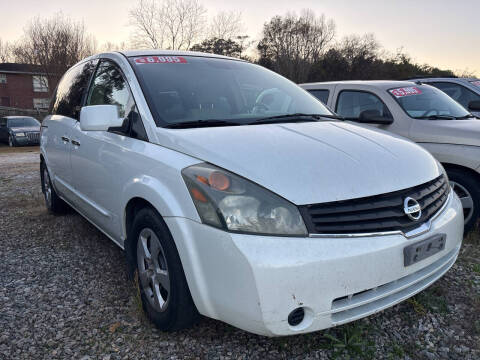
159 275
468 190
53 202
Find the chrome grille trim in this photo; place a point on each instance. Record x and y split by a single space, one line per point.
379 215
422 229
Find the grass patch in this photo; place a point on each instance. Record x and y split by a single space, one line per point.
397 352
476 268
431 299
349 342
476 327
473 237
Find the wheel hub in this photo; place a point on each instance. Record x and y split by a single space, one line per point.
46 187
465 198
153 270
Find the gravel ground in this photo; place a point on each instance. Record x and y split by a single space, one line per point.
64 294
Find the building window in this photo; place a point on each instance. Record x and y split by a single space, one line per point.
40 83
41 103
3 78
4 101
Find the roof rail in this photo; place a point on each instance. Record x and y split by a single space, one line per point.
431 77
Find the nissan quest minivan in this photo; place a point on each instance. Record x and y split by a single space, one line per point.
237 195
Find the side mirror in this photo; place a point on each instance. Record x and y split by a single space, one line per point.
99 117
474 105
373 117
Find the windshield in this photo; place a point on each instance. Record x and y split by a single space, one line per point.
424 101
23 122
191 88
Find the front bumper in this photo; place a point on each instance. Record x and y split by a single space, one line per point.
254 282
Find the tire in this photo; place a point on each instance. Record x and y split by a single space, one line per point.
467 187
163 288
53 202
11 141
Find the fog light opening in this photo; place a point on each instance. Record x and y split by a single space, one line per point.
296 316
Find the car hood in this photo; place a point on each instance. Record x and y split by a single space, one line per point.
461 132
310 162
25 129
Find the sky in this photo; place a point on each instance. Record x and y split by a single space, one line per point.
442 33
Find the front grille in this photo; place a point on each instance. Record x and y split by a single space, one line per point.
33 136
376 213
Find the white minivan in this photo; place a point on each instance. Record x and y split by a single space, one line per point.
237 195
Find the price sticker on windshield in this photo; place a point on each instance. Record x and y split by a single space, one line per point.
161 60
476 83
405 91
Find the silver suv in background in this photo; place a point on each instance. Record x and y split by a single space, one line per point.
466 91
422 113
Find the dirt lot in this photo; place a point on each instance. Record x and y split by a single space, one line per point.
64 294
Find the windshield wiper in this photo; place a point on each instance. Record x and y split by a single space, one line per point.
436 117
298 117
201 123
468 116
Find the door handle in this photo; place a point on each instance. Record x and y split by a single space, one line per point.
75 142
66 139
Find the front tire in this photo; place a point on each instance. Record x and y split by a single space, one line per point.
164 291
11 141
468 190
53 202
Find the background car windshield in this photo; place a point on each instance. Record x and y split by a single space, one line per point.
429 102
200 88
22 122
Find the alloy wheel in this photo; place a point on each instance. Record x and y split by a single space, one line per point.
47 188
465 198
153 270
10 141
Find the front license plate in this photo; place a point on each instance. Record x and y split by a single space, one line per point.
423 249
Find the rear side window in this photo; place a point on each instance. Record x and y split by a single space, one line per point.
68 97
321 95
351 104
457 92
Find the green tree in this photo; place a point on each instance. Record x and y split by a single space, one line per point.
219 46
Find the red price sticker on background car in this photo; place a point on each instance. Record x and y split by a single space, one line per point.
161 60
476 83
406 91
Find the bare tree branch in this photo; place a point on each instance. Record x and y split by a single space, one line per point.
291 44
146 21
55 43
5 51
226 25
172 24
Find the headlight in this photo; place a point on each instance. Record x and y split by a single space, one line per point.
19 134
230 202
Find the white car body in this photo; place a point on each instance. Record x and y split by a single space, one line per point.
455 143
255 281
